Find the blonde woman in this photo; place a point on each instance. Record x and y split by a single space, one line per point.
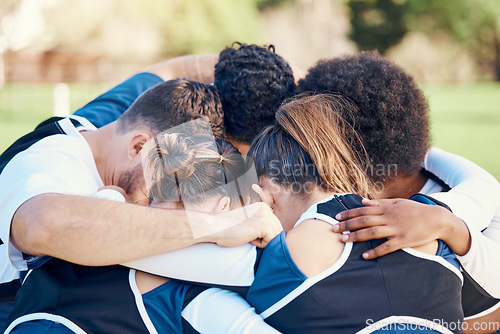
182 171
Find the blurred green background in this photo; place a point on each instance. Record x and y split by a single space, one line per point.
452 48
465 118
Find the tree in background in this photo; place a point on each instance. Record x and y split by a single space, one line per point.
377 24
146 30
475 24
20 23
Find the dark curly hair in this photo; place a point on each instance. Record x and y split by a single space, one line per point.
392 120
252 82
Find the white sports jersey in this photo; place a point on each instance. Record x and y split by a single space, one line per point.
54 159
475 198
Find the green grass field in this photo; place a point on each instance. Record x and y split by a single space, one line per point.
465 118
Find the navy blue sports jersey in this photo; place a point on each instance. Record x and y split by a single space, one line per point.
405 289
109 106
100 300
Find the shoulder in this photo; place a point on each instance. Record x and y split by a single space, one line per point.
313 246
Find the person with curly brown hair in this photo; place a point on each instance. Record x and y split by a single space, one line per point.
252 82
392 119
393 124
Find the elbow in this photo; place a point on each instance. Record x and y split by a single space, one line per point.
32 231
36 240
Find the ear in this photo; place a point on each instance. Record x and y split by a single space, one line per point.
264 197
223 205
137 143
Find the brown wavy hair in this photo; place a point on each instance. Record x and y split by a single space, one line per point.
308 145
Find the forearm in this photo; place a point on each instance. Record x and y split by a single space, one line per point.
195 67
454 231
92 231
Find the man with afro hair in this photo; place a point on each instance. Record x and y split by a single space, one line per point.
393 125
252 81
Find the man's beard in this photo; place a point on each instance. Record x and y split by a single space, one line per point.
132 181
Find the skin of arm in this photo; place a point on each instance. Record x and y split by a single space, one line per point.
196 67
92 231
325 249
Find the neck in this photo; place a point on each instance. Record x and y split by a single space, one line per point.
100 142
403 186
304 203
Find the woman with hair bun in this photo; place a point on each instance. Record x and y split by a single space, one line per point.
182 170
306 280
191 171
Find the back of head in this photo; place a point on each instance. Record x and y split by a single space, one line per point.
252 82
183 169
171 103
308 145
392 117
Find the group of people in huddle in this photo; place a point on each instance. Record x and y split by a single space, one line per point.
235 193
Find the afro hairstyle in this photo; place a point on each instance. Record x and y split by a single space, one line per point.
392 121
252 82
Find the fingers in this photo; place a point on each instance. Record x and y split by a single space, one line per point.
358 213
387 247
358 223
378 202
376 232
